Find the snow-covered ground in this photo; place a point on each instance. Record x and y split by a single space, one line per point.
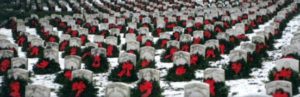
238 88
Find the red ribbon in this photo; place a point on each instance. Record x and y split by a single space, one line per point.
164 43
63 45
62 25
15 89
280 94
68 74
207 34
96 62
185 47
242 36
79 87
21 40
5 65
176 35
259 47
130 30
34 51
218 29
222 48
184 23
189 30
146 88
253 24
194 59
145 63
284 73
126 68
236 67
83 39
78 21
211 84
93 29
232 39
158 31
197 40
73 51
198 25
210 53
52 39
226 25
148 43
139 38
109 51
180 70
43 64
206 22
74 33
171 53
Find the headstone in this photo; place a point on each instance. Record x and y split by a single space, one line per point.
51 54
18 73
196 90
216 74
198 49
236 55
37 91
149 74
75 41
181 58
82 73
286 86
174 43
133 45
18 62
147 52
98 51
6 53
117 89
112 40
72 62
127 57
287 63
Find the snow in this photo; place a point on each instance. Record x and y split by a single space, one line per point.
238 88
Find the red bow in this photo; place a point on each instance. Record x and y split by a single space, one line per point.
259 19
185 47
232 39
259 47
52 39
21 40
226 25
96 62
139 38
145 63
210 53
109 51
253 24
222 48
43 64
73 51
189 30
34 51
130 30
164 43
63 45
83 39
198 25
79 87
171 26
194 59
207 34
211 84
15 89
289 57
180 70
68 74
218 29
234 22
176 35
146 88
197 40
120 27
78 21
280 94
93 29
62 25
242 36
246 28
5 65
126 68
284 73
171 53
148 43
206 22
74 33
184 23
236 67
158 31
